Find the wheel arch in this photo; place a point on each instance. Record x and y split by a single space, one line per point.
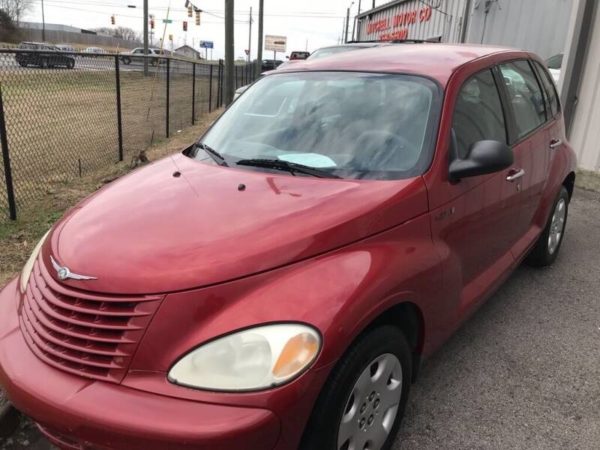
407 317
569 183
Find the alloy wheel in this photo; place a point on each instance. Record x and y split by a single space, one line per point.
557 225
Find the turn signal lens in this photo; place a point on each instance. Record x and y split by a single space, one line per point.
296 354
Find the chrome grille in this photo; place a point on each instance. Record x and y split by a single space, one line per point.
92 335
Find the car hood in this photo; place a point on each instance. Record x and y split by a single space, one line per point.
179 224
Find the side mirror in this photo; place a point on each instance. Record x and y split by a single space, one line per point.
484 157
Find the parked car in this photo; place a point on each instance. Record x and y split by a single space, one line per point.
288 274
45 56
137 55
66 48
270 64
95 51
298 56
555 66
334 50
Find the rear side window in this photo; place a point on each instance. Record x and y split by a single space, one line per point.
549 89
478 113
525 96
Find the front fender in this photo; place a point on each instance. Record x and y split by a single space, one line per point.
339 293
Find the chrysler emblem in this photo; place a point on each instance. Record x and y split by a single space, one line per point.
64 273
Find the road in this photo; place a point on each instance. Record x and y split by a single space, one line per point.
102 63
522 373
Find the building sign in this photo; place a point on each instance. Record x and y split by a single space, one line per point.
275 43
397 26
413 19
206 44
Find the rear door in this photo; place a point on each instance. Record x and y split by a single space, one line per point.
527 109
555 133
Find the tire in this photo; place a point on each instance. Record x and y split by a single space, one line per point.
545 250
44 63
340 398
126 61
22 64
70 65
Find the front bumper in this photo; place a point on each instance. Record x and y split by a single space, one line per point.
79 413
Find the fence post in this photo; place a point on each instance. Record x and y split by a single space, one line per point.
222 80
119 112
168 93
10 191
193 93
210 78
219 81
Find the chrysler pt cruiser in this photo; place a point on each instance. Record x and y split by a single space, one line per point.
277 285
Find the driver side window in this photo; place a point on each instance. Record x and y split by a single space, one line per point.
478 113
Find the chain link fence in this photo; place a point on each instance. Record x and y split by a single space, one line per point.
63 115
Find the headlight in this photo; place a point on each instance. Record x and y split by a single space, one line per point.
253 359
26 272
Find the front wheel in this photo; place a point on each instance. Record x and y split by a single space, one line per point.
70 64
546 249
363 401
126 61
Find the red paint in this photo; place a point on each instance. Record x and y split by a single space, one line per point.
331 253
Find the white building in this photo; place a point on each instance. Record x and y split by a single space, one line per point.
546 27
188 52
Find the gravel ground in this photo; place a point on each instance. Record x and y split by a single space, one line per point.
523 373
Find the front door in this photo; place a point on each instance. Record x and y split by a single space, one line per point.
476 228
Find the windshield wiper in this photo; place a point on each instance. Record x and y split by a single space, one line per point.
279 164
212 153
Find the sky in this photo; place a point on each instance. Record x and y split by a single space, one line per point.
308 24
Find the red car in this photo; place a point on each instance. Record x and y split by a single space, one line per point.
278 284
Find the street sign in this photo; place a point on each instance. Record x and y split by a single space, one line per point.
275 43
207 44
167 21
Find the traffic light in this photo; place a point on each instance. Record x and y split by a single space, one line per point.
198 16
112 19
152 23
190 14
171 37
185 25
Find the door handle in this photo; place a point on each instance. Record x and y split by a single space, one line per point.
514 175
555 143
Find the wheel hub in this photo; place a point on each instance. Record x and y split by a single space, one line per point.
372 407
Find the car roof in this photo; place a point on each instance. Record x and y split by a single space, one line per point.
437 61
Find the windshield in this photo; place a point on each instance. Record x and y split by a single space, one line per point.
353 125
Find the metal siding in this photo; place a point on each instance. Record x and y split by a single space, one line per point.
439 25
539 26
585 133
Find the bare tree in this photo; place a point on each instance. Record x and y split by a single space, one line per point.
16 8
120 32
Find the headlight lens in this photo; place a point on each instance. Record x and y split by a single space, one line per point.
26 272
253 359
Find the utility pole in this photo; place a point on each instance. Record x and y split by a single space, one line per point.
259 50
145 38
229 67
43 24
346 28
250 37
373 4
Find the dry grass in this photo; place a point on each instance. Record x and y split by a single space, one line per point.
61 123
18 238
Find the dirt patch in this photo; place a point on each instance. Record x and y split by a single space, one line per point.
588 180
18 238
